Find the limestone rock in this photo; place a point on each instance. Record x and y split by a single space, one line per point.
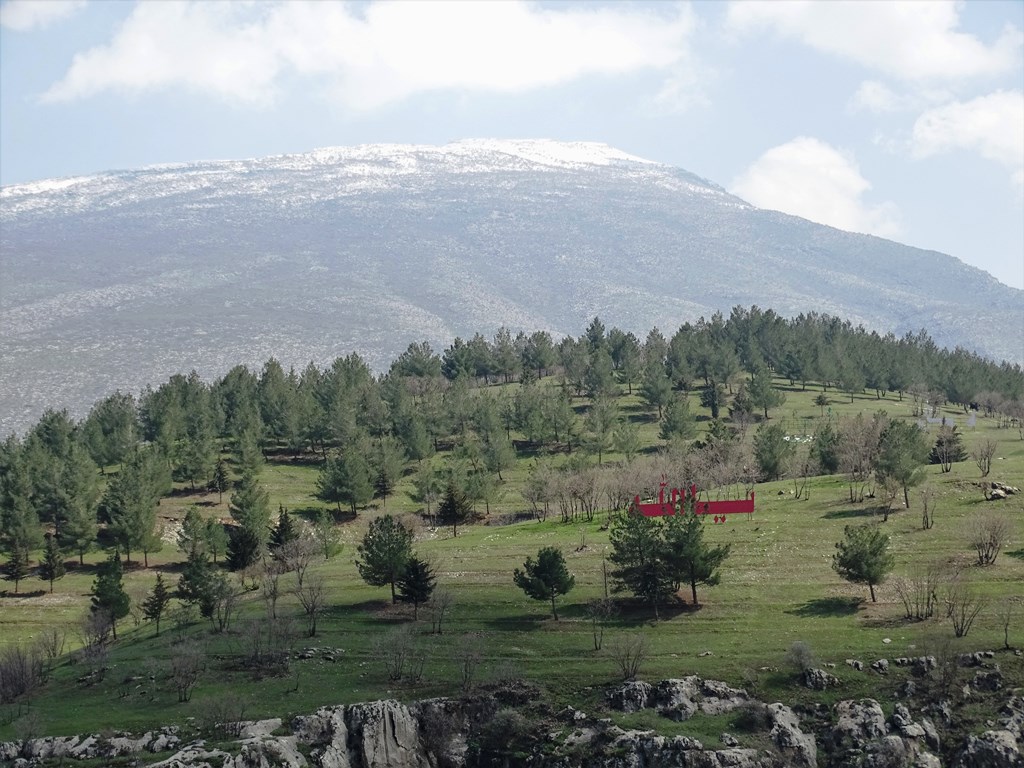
797 747
631 697
385 734
857 722
819 679
993 749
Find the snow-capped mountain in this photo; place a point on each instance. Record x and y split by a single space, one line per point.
120 279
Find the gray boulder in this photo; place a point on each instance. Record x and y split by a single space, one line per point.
993 749
630 697
797 747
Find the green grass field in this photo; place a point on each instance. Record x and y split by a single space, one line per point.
777 587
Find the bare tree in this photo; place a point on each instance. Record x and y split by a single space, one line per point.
919 591
21 672
599 611
928 499
628 652
298 554
312 597
51 642
803 466
1005 615
468 655
188 659
983 454
439 605
963 605
988 534
273 570
401 655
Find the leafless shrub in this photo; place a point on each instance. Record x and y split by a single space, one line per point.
801 657
21 672
401 655
919 591
988 534
297 555
188 660
1005 615
265 645
27 728
222 717
983 454
439 606
273 570
963 605
468 655
51 642
313 598
224 604
628 653
928 499
599 611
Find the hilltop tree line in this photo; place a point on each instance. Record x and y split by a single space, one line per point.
366 430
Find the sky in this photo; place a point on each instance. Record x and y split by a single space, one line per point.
899 119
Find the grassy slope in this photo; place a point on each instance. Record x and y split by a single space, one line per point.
777 587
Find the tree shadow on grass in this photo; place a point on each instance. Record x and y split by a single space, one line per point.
828 607
846 514
23 594
527 622
1017 553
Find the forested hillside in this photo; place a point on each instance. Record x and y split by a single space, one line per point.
274 505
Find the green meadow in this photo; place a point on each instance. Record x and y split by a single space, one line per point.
777 587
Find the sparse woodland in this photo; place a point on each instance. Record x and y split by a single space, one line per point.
200 535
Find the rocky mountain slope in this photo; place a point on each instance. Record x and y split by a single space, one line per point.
120 279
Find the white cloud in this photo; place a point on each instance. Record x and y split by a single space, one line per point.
809 178
992 126
26 15
873 96
908 40
375 55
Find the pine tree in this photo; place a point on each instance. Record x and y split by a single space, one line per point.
221 481
690 559
455 507
216 538
284 531
155 603
108 595
51 568
250 506
546 578
384 553
17 564
863 556
416 584
244 548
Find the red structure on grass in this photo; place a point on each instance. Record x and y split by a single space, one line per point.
686 499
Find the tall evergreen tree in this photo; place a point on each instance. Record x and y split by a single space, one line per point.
156 601
455 507
384 553
690 559
250 507
51 567
108 595
416 584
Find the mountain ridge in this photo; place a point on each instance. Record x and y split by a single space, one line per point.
123 278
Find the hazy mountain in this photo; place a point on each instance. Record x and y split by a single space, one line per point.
119 279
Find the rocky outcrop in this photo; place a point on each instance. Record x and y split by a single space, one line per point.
997 748
435 733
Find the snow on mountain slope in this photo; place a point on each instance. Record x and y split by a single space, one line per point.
122 278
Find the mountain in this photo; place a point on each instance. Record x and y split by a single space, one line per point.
123 278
